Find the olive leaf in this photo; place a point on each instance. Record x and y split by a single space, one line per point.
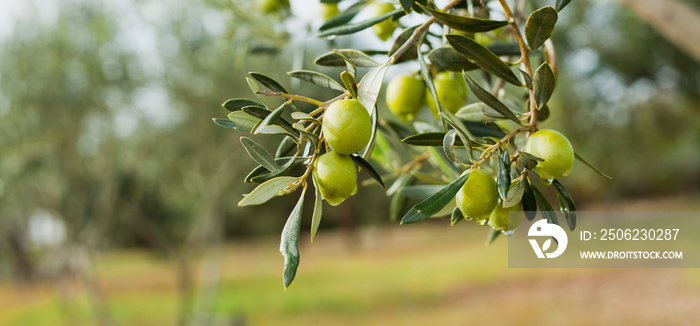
560 4
429 139
592 167
318 208
260 113
545 207
566 204
493 234
267 190
543 84
356 27
447 58
539 26
317 78
406 5
236 104
259 154
434 203
529 202
289 245
503 178
371 83
456 216
489 99
411 53
465 24
337 58
367 167
344 17
515 194
227 123
284 169
482 57
349 82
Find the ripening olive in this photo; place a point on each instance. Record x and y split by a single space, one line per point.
328 10
556 151
270 6
452 92
503 220
386 28
478 196
405 96
335 176
347 126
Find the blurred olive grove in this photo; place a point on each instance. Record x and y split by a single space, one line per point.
107 139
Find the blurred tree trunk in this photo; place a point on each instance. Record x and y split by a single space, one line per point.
676 21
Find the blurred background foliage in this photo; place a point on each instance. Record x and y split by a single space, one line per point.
107 139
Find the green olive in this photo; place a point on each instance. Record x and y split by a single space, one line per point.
384 29
405 96
556 151
478 196
503 221
452 91
335 176
270 6
328 11
347 126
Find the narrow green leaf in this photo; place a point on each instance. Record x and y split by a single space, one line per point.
539 26
529 202
560 4
289 245
463 135
421 192
284 169
493 234
429 139
263 114
515 194
504 48
271 118
243 119
368 168
406 5
260 170
370 85
271 84
334 59
317 78
259 154
489 99
593 167
566 204
373 137
255 88
503 178
543 84
266 191
227 123
286 146
448 144
344 17
434 203
349 82
447 58
465 24
545 207
236 104
456 216
478 112
350 67
482 57
410 54
356 27
302 116
318 209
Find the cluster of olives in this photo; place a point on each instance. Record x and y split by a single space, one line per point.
478 198
406 95
347 128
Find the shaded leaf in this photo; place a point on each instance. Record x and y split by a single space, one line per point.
448 144
566 204
434 203
560 4
462 132
593 167
227 123
318 209
466 24
284 169
255 88
504 48
429 139
447 58
482 57
493 234
317 78
545 207
543 84
349 82
289 245
268 82
456 216
503 177
260 170
406 5
356 27
236 104
528 160
266 191
483 130
286 146
539 26
478 112
358 58
263 114
368 168
271 118
529 202
490 100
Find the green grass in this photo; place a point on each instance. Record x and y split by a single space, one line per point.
408 275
